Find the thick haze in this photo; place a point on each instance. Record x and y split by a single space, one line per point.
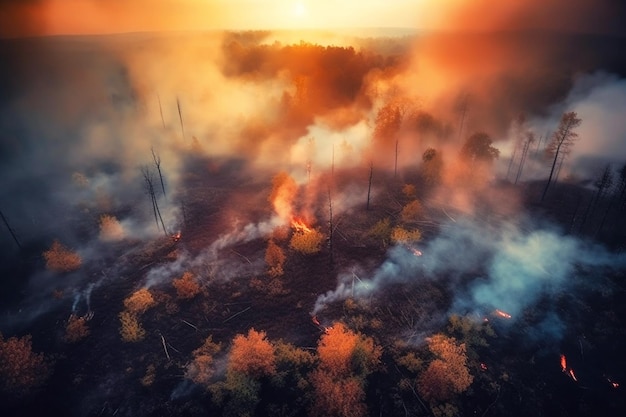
79 117
47 17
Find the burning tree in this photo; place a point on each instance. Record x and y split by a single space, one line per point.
305 239
61 259
186 286
562 140
21 369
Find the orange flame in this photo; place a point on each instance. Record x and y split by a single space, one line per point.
315 321
176 236
571 374
563 363
502 314
300 226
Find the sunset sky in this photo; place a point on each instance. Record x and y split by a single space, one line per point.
48 17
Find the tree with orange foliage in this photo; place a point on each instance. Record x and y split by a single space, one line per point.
130 327
76 329
200 369
412 211
252 355
448 374
139 301
343 352
186 286
275 258
345 360
110 228
20 368
307 242
61 259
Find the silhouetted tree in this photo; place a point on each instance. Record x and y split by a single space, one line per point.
562 140
478 148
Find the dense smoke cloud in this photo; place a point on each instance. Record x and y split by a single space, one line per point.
505 266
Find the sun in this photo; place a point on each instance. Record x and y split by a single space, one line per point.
299 9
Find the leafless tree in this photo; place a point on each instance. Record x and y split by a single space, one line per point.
157 163
6 223
161 110
562 140
530 138
180 116
369 185
149 186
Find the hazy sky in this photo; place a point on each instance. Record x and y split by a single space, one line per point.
44 17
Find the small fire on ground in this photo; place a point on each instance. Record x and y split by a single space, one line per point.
502 314
567 370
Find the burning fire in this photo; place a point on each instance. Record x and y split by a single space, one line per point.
502 314
483 366
300 226
315 321
569 371
176 236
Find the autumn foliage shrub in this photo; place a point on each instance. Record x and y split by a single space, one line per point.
130 327
412 211
61 259
20 368
307 242
200 369
403 236
76 329
448 374
110 228
139 301
275 259
252 354
186 286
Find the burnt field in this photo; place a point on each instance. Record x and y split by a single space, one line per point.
224 224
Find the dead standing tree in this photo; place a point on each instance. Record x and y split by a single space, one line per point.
562 140
369 185
149 186
157 163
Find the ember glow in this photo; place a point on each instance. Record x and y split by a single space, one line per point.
501 314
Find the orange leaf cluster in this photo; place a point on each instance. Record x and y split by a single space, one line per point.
307 242
61 259
275 259
130 329
252 354
446 375
200 369
20 368
139 301
186 286
76 329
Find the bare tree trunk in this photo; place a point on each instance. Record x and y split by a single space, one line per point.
147 175
157 162
330 225
369 186
161 110
180 116
523 160
6 223
395 166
